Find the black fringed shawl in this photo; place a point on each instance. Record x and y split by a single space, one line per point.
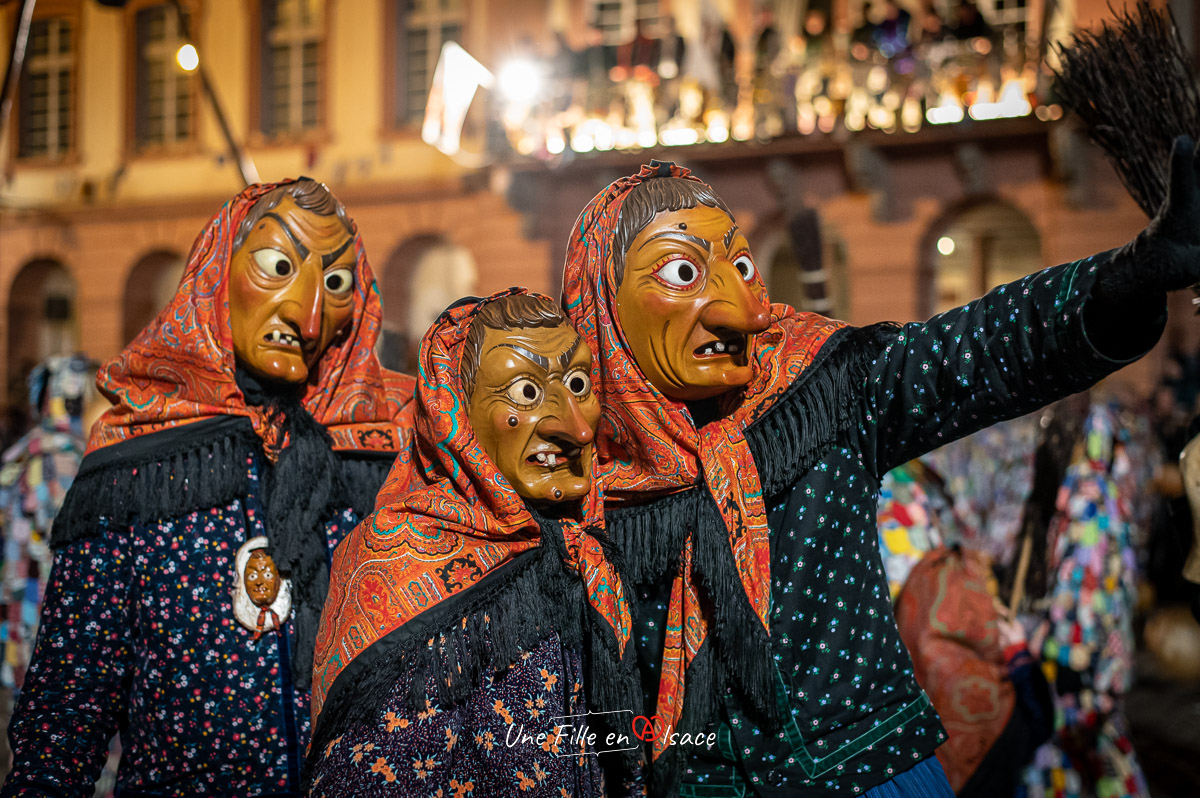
200 465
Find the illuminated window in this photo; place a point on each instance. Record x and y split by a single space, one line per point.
45 125
617 20
162 91
292 44
420 28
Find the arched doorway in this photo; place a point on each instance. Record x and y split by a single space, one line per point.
422 276
974 248
41 321
150 285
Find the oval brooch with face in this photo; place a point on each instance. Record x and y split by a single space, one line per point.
262 599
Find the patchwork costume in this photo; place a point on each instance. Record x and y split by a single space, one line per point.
36 474
458 620
195 460
747 523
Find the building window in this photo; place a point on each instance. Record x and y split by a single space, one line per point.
162 90
1010 12
421 28
45 122
292 42
618 20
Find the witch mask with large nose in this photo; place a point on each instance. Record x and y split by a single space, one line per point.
530 401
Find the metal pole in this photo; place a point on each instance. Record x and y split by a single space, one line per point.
241 158
16 61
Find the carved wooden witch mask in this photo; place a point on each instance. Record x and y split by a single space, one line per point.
531 401
689 302
291 284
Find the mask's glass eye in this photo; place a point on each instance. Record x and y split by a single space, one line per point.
339 281
272 263
746 267
678 273
524 392
579 383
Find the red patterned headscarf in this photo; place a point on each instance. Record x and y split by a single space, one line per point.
180 369
649 446
445 520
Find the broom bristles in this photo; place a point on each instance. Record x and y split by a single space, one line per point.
1132 85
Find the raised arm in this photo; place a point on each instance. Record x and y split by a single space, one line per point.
74 693
1018 348
1038 339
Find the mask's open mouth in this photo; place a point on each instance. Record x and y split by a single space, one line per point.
727 345
280 338
553 458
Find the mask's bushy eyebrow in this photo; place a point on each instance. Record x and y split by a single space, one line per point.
564 359
733 231
330 258
300 248
541 360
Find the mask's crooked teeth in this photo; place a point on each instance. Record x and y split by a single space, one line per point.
541 457
719 346
274 336
733 348
551 460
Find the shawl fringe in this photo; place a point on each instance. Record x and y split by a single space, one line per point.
741 642
649 537
185 469
484 631
817 409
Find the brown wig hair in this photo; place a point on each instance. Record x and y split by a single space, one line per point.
650 198
514 312
308 194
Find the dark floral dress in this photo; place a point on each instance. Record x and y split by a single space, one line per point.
515 736
138 635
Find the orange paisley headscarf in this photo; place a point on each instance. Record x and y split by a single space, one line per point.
180 369
649 446
446 521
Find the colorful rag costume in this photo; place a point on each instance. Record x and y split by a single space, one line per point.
36 474
194 459
994 704
755 526
457 613
1089 648
915 517
37 470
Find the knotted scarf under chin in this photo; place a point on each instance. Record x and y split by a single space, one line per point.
297 489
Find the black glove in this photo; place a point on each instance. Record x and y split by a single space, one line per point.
1166 255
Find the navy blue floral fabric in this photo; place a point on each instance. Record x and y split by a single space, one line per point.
513 737
138 634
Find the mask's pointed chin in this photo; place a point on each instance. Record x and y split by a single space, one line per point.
272 364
